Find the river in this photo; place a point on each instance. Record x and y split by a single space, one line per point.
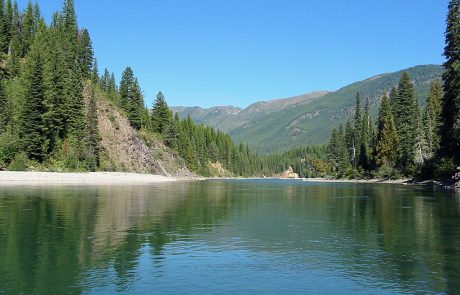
230 237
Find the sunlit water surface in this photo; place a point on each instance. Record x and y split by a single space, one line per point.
229 237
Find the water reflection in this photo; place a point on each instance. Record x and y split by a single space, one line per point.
261 236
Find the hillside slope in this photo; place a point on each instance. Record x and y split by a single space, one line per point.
228 118
126 149
310 122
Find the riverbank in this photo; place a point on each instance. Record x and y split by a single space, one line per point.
391 181
90 178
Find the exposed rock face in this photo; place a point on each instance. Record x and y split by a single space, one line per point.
289 174
130 150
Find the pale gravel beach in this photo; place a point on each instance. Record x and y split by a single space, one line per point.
90 178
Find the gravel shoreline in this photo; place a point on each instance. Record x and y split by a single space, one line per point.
90 178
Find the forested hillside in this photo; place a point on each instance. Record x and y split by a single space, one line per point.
57 113
308 119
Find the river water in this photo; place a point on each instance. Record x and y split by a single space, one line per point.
230 237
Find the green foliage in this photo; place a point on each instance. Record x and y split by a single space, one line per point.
450 131
444 169
406 117
310 122
20 162
387 137
9 147
92 151
86 54
432 119
31 130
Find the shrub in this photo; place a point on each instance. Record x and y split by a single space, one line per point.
19 163
444 169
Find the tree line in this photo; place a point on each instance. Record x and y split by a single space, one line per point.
408 141
42 72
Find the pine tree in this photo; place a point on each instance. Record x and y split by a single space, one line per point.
55 90
70 34
342 153
30 27
92 158
332 150
357 131
420 139
3 108
16 48
161 115
406 116
387 138
393 99
432 119
450 130
8 24
86 54
3 41
105 80
364 151
95 73
126 85
136 106
31 128
74 103
350 142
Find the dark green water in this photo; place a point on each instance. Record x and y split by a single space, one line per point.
229 237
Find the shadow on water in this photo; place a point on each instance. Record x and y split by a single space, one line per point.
240 234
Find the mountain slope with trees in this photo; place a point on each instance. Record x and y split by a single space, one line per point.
311 121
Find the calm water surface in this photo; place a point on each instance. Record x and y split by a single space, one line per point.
229 237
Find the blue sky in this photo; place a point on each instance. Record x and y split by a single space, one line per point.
236 52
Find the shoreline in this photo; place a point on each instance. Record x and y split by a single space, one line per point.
13 178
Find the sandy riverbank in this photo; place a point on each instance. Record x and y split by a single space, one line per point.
90 178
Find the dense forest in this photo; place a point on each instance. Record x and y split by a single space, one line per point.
407 140
47 123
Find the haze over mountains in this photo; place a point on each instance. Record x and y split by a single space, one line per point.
308 119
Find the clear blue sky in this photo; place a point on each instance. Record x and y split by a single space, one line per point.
235 52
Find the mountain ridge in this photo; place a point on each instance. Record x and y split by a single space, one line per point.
306 119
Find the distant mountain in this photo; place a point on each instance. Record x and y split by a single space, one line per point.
228 118
277 125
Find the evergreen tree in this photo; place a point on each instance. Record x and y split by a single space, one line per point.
30 27
357 131
393 99
105 80
136 106
161 115
16 44
420 139
92 158
74 103
387 138
406 116
365 138
450 130
86 54
432 119
342 153
95 73
126 85
333 150
350 142
8 25
31 128
3 41
70 33
55 90
3 108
